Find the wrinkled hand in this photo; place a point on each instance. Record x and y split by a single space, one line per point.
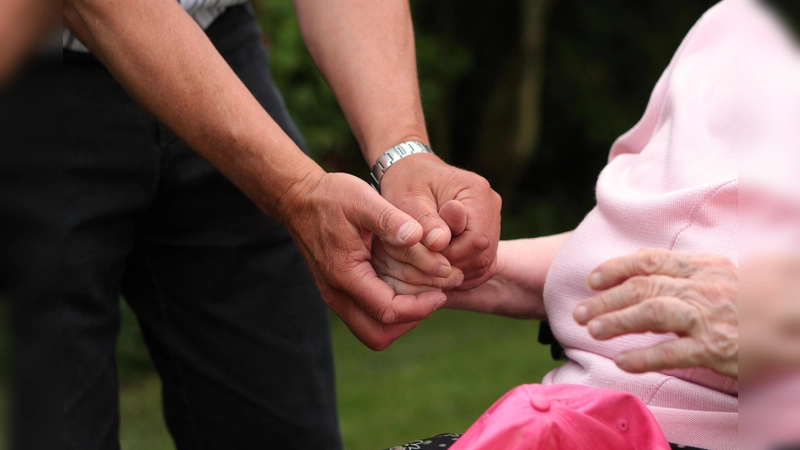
409 270
423 186
331 219
693 296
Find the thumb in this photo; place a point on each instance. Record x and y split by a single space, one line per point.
393 226
436 232
455 215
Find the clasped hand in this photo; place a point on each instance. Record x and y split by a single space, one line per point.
435 225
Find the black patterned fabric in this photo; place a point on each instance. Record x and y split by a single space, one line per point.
447 440
432 443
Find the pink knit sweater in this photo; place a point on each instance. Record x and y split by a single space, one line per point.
671 182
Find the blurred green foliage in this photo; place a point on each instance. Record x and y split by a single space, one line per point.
312 103
599 60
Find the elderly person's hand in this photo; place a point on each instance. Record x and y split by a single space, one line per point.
422 185
691 295
516 290
417 269
408 270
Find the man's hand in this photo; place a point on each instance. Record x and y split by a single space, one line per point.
24 25
425 187
365 51
693 296
332 218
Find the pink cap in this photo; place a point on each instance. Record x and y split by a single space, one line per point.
564 416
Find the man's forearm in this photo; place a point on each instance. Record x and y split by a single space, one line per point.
170 67
24 24
365 51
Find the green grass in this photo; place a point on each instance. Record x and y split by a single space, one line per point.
437 379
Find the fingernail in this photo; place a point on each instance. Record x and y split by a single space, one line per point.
407 230
594 280
433 236
596 329
459 279
580 314
443 271
441 303
621 359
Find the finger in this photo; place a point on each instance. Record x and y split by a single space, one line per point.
474 251
658 315
630 292
371 333
373 213
425 260
643 262
680 353
455 215
409 276
423 208
407 307
400 287
476 278
379 301
471 252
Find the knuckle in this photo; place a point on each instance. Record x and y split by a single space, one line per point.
693 318
426 216
665 355
385 218
339 280
385 315
602 303
407 254
653 260
498 200
482 183
722 343
638 284
653 311
480 244
484 262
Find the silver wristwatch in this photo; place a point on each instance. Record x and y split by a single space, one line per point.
393 155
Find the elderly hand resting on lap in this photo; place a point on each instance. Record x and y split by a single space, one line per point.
693 296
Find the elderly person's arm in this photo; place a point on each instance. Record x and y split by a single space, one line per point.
691 295
516 290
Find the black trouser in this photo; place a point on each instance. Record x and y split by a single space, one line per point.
229 311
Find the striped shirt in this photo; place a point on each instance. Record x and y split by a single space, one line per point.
204 12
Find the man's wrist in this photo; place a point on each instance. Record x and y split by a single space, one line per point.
373 150
392 156
290 204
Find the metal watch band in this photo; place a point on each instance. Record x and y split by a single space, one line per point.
393 155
